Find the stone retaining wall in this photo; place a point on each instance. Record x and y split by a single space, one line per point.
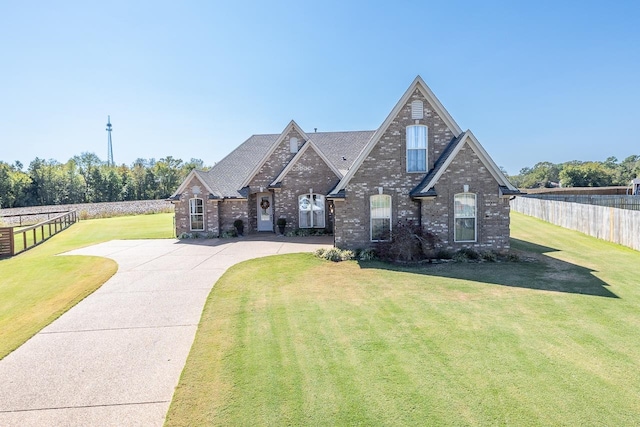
85 210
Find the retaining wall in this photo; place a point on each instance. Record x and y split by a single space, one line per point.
85 210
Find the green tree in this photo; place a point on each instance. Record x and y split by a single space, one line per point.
588 174
543 174
168 175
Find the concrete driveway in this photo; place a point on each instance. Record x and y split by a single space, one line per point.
115 358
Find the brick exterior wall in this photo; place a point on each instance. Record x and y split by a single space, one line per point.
271 168
211 214
310 171
386 167
492 215
229 211
275 163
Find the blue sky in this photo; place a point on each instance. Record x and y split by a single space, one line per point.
535 81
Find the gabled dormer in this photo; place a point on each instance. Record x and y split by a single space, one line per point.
283 150
409 141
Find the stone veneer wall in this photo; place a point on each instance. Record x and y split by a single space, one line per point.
85 210
386 167
310 171
211 215
492 220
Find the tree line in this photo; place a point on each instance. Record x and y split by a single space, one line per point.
86 179
575 173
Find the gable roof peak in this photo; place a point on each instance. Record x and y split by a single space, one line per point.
442 112
288 128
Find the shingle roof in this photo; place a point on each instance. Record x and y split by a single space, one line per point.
337 146
227 176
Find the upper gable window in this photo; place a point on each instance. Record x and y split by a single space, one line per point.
417 148
293 144
417 110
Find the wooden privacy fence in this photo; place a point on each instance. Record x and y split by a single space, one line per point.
612 201
620 226
13 242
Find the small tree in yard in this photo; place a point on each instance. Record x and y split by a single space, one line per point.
408 243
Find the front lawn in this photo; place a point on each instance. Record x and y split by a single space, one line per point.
294 340
36 287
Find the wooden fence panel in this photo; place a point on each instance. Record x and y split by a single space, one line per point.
6 241
615 225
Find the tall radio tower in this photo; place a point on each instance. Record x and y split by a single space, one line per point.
110 161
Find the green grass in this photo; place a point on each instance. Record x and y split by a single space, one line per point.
294 340
36 287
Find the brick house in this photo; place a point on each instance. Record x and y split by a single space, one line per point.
418 166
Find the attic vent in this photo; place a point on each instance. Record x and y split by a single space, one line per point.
417 110
293 144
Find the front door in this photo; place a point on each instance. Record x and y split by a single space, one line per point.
265 212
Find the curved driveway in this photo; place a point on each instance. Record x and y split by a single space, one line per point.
115 358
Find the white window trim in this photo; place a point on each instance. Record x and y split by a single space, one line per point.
475 218
192 213
324 211
371 217
426 149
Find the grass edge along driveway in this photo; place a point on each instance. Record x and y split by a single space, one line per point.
294 340
37 286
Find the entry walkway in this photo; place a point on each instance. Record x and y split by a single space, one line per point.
115 358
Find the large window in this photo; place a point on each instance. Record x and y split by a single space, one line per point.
417 148
311 211
465 217
196 214
380 210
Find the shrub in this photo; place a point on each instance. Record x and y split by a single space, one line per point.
335 254
408 243
512 257
470 253
229 233
444 254
367 255
306 232
460 257
489 256
347 255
